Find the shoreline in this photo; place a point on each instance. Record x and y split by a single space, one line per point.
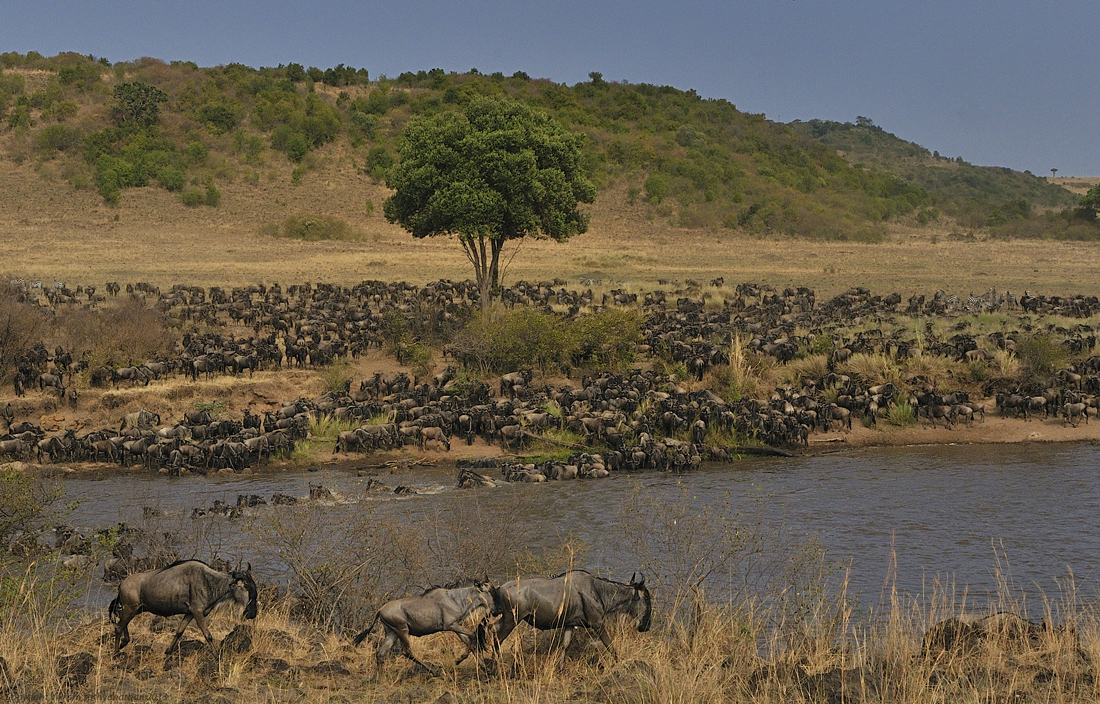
995 430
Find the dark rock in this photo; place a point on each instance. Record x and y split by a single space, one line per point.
239 640
330 667
279 499
73 670
272 694
146 673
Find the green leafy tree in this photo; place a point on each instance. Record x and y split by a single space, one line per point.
497 171
137 103
1090 204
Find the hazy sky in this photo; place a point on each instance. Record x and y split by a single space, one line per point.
998 82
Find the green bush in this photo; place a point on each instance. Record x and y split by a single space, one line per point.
171 178
213 196
501 340
606 340
193 197
312 228
107 184
58 138
657 187
196 153
379 162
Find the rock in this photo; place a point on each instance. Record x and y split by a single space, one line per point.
329 667
73 670
271 694
145 673
239 640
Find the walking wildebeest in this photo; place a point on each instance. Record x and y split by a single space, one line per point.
188 587
575 598
460 610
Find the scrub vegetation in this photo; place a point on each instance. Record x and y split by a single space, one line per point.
691 162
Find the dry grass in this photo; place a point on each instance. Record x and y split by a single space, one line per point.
734 653
55 233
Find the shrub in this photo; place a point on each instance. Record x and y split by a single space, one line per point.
311 228
1039 356
606 340
130 333
500 340
171 178
657 187
107 183
193 197
213 196
58 138
379 162
21 325
196 153
901 413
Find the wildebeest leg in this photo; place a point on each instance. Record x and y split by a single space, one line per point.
467 638
179 631
605 638
566 637
200 619
403 636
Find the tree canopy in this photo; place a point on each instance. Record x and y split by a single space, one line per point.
500 170
137 103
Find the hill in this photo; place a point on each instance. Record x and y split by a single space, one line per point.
972 193
676 158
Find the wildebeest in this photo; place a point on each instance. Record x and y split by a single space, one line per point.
188 587
1072 412
142 420
435 434
575 598
460 610
964 633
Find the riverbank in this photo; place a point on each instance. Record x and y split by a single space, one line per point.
994 430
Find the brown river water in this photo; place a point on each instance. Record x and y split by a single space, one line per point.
943 512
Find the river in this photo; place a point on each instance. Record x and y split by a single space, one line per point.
946 512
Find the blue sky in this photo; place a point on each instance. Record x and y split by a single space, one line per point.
1009 83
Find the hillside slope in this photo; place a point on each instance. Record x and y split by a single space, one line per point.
112 132
947 180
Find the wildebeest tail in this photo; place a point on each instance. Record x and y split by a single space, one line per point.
114 610
363 636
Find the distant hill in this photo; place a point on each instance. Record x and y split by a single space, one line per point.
691 162
948 179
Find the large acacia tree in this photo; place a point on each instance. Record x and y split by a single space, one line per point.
498 171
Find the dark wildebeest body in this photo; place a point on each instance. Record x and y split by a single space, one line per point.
188 587
461 610
576 598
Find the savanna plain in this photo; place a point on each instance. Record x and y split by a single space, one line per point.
742 611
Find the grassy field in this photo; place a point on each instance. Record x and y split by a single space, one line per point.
51 232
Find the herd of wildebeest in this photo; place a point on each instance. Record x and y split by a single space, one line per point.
629 420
